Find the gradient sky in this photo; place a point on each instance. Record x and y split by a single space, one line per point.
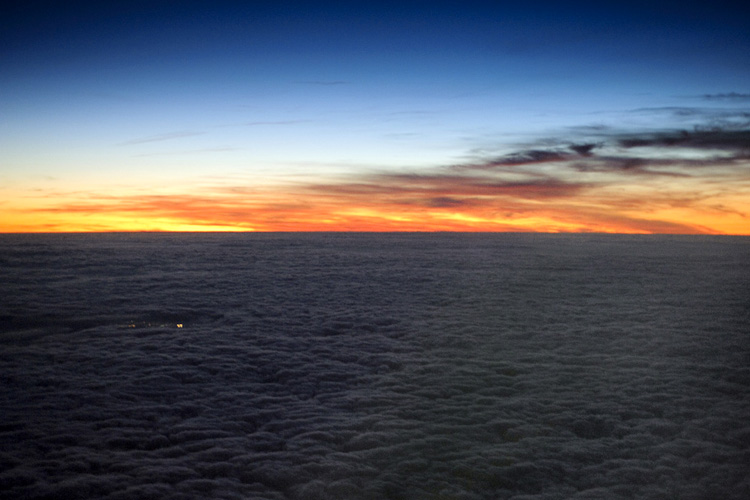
475 116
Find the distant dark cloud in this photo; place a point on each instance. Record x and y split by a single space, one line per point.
527 157
702 117
583 149
447 202
707 145
729 96
535 156
635 165
590 129
681 111
713 154
713 138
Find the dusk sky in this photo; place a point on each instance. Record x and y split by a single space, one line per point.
295 116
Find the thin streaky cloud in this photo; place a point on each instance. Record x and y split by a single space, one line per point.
528 157
701 116
189 151
263 123
322 82
277 122
161 137
416 112
446 186
728 96
680 111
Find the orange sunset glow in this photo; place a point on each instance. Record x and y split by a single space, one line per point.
568 192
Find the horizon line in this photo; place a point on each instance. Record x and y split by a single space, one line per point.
604 233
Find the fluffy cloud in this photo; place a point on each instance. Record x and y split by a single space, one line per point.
373 366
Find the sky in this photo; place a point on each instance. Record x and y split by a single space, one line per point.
370 116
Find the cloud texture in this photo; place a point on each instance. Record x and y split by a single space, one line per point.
374 366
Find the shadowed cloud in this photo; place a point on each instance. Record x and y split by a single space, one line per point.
713 138
453 185
302 367
447 202
704 146
527 157
728 96
583 149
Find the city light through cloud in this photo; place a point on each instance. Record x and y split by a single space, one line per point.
440 117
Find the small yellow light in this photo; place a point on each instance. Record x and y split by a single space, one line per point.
179 325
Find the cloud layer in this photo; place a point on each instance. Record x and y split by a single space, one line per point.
373 366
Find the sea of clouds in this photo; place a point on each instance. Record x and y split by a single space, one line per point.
374 366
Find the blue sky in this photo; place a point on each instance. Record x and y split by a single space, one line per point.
143 94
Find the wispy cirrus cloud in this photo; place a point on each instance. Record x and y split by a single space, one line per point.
716 117
274 122
325 83
161 137
727 96
222 149
412 188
